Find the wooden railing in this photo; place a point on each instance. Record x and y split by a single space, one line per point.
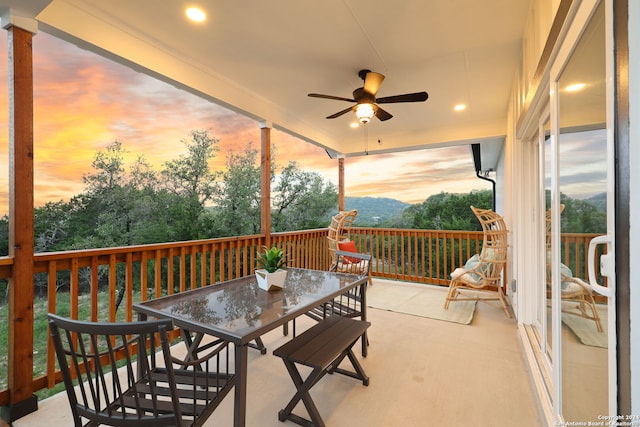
424 256
126 275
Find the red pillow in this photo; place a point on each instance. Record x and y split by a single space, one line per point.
349 246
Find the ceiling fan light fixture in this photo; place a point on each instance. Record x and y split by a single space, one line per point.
364 112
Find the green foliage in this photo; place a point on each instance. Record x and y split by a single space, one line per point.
128 203
583 216
271 259
237 209
301 200
190 179
445 211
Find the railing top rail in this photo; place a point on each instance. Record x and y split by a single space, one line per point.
413 230
299 232
143 248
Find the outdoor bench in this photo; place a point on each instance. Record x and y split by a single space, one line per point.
322 347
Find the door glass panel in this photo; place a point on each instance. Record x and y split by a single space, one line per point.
547 147
582 161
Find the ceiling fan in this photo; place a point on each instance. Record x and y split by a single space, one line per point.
365 98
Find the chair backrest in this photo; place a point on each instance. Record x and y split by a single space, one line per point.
493 256
548 225
338 230
89 352
352 263
350 304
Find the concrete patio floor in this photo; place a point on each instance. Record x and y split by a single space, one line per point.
423 372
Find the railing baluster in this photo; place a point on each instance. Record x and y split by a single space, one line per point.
74 288
170 278
157 276
129 287
93 287
52 292
143 274
112 287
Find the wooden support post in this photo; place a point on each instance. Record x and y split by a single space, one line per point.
341 184
265 182
21 239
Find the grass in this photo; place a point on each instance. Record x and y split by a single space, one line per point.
41 332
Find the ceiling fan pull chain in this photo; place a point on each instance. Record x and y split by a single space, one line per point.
366 139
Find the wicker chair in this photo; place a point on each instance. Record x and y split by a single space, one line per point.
337 236
483 272
144 391
572 289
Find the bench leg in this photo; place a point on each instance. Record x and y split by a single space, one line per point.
359 373
365 344
302 393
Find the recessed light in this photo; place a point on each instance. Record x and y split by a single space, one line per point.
575 87
460 107
354 125
195 14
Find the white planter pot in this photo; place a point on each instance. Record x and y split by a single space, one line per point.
271 281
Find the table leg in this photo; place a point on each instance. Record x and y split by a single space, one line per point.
363 309
141 318
240 398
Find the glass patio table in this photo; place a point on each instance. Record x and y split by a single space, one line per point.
239 312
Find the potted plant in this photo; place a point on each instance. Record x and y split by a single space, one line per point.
271 274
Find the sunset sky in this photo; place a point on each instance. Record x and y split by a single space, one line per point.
84 102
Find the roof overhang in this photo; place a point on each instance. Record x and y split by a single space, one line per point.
263 60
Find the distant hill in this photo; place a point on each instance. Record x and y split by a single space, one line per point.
373 210
599 201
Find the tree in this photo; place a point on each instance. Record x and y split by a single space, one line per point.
237 207
51 223
115 203
447 211
580 216
301 200
190 179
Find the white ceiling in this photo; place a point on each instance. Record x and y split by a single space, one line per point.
262 58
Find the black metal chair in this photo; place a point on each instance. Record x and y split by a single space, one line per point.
124 381
349 304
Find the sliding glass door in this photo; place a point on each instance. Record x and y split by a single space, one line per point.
577 216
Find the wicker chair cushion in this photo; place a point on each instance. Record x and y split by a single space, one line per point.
565 272
349 246
470 265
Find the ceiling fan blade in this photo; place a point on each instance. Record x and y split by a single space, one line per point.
337 98
372 82
407 97
383 115
339 113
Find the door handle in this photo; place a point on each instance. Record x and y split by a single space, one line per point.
606 265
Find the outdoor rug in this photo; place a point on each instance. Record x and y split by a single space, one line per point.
585 329
418 300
